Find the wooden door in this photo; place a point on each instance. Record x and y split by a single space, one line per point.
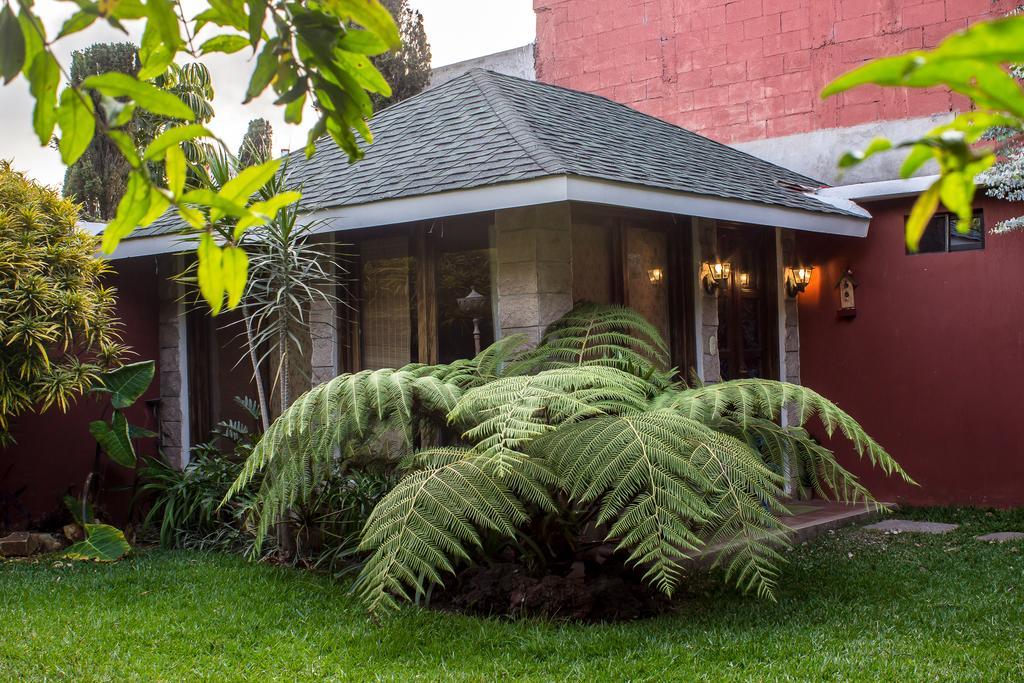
747 311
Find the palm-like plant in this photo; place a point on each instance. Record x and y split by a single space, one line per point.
288 271
585 430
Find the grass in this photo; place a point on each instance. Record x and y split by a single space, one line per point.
854 605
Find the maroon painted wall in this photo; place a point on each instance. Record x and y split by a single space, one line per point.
55 451
933 364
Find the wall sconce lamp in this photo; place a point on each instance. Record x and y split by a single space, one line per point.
797 279
656 275
715 274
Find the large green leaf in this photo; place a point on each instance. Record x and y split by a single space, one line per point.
172 137
12 45
77 125
44 77
147 96
103 543
115 439
369 14
128 382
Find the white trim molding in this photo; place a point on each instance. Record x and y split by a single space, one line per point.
550 190
877 191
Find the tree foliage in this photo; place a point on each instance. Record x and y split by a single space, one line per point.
581 432
96 181
58 329
257 144
304 52
407 70
976 62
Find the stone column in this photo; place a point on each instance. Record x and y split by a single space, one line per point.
707 304
790 314
534 273
323 324
172 363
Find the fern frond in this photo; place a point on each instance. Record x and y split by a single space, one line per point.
345 412
795 448
747 399
602 335
744 531
638 466
511 412
434 518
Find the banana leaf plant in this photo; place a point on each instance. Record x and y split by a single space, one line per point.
124 386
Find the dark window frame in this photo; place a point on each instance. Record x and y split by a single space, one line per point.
949 234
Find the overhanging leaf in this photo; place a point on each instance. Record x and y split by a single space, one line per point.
924 209
44 77
369 14
235 267
103 543
209 272
77 125
130 211
146 95
173 137
12 45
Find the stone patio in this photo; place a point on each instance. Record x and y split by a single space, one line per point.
810 519
901 526
1001 537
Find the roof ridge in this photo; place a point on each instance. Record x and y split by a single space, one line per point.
654 119
514 123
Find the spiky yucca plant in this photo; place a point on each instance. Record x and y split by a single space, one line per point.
585 429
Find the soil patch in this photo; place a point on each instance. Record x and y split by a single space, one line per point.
585 593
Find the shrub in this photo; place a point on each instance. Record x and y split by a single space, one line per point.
549 452
185 510
58 330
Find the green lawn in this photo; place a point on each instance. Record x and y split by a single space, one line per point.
855 606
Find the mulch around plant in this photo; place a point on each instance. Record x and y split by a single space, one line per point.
585 593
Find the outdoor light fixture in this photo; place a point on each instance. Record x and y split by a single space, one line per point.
797 279
715 274
474 305
655 275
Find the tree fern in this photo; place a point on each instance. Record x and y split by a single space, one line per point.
587 426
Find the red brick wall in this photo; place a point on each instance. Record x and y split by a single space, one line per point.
739 70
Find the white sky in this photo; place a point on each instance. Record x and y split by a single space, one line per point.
457 30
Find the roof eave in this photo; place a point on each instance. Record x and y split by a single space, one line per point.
546 191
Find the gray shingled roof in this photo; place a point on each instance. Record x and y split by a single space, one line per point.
484 128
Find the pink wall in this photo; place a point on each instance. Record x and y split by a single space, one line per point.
739 70
55 451
932 364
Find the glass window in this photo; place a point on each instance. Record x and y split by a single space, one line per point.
464 265
943 234
388 306
646 274
592 267
971 238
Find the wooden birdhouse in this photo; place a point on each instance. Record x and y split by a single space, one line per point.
847 301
